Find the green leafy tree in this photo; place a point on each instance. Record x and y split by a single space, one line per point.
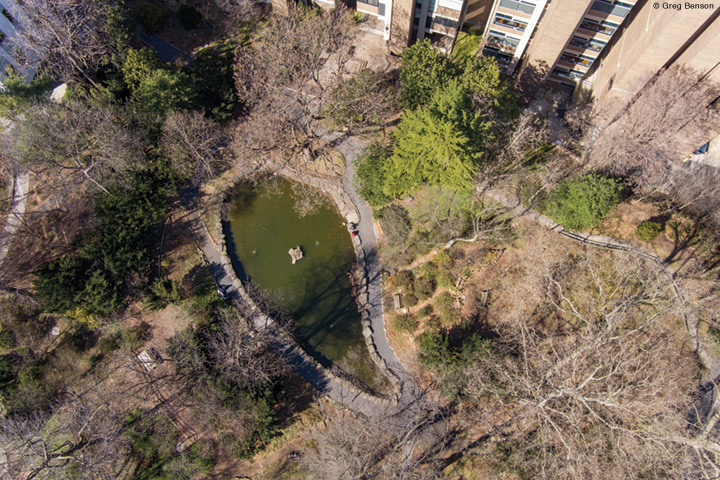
581 202
487 88
19 94
150 16
370 174
140 65
164 91
423 70
213 77
438 144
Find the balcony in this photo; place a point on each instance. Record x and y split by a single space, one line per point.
518 6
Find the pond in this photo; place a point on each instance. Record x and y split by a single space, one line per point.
264 222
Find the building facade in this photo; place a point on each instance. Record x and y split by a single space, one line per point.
11 57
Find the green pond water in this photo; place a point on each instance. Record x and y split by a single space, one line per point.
262 226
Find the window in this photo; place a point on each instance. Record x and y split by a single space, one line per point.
502 58
587 43
583 60
374 3
620 9
569 74
447 22
602 26
510 22
518 6
501 42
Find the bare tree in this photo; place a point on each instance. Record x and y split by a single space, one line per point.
78 137
84 434
243 353
361 101
284 80
68 37
596 378
193 143
649 138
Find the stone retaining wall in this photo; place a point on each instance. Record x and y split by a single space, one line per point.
348 210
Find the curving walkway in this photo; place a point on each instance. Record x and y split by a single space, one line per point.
328 384
410 392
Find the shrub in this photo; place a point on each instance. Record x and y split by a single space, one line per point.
109 343
404 279
410 300
150 16
425 312
583 201
424 287
404 323
188 16
445 306
648 230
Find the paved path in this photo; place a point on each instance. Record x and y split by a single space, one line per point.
165 51
21 184
351 147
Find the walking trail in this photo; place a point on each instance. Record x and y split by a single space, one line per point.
21 183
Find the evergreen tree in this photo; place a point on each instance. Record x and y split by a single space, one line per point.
423 71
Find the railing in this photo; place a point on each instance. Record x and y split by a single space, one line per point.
517 6
611 9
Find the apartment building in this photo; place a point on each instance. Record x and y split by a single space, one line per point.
11 58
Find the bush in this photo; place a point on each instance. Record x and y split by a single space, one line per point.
648 230
404 323
583 201
425 312
109 343
150 16
188 16
445 306
404 280
410 300
424 287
